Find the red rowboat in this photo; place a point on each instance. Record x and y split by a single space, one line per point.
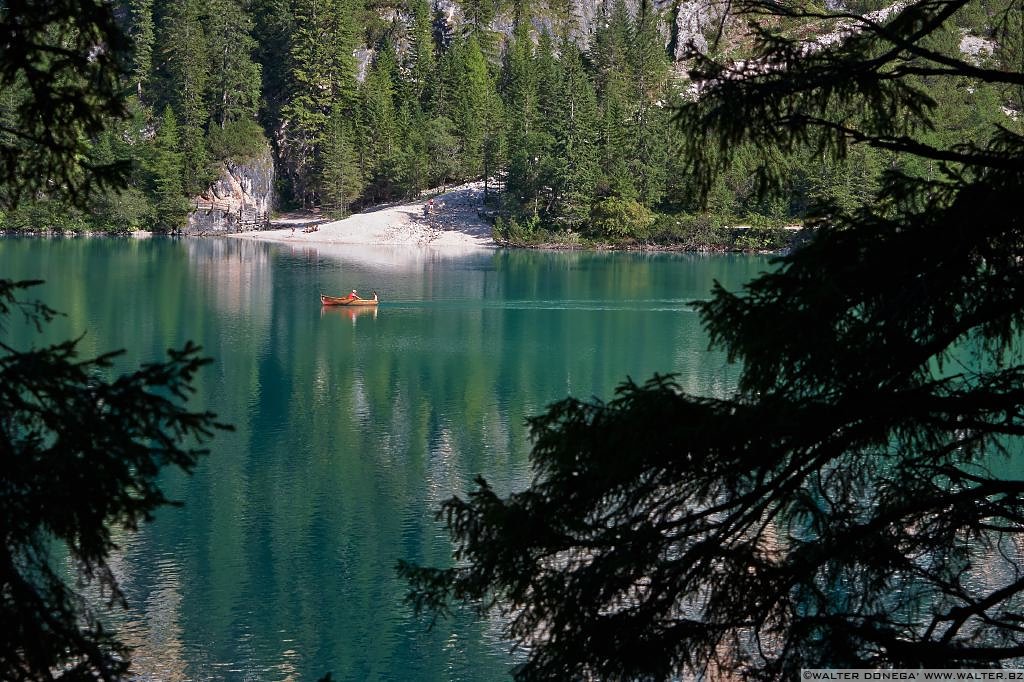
345 300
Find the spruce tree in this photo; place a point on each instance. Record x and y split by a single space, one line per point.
443 150
272 20
495 150
519 82
575 130
649 66
444 82
472 104
420 58
381 139
142 37
323 73
610 54
478 15
342 180
548 76
185 49
414 163
166 169
519 90
234 88
615 137
344 38
542 142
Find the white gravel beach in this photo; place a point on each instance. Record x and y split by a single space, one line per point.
454 221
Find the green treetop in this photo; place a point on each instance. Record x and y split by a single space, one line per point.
421 60
184 49
166 169
234 90
142 43
381 135
322 75
575 130
342 177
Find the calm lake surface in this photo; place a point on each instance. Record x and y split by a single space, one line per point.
351 429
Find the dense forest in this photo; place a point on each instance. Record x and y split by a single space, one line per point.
366 101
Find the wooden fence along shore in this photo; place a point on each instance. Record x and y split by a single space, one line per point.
246 218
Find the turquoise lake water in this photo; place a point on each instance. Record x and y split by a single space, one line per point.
351 429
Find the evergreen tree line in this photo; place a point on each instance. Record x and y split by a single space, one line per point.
359 110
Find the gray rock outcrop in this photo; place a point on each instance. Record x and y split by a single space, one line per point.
241 199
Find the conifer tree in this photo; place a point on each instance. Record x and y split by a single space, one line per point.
68 58
575 131
479 14
495 151
610 49
420 58
142 38
414 164
322 74
615 141
519 80
166 169
547 164
381 141
445 80
234 76
472 104
272 23
613 71
548 76
649 67
342 180
443 150
344 38
185 50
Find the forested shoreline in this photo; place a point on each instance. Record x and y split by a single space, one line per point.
367 102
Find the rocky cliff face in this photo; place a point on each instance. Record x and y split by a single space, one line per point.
682 22
241 199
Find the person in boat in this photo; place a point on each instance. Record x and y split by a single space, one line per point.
353 296
375 296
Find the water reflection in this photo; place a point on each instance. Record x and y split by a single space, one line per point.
349 313
351 426
237 275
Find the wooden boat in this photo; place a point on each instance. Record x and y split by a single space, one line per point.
345 300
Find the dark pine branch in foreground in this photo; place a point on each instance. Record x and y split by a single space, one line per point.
842 507
80 455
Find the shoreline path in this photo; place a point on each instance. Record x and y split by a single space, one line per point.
453 222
